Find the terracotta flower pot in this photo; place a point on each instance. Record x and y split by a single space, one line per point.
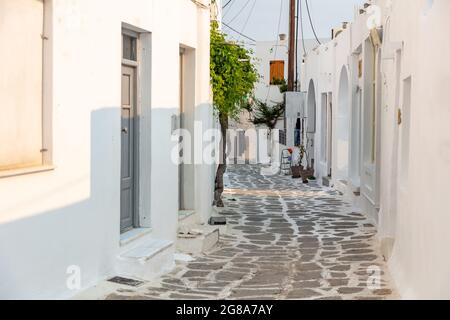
296 172
305 174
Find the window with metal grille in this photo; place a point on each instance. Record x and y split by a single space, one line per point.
283 138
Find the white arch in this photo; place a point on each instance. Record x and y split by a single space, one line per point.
343 125
311 114
311 108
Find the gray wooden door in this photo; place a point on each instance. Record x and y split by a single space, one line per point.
127 196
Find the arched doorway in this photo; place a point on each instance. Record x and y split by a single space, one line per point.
356 139
298 133
343 126
311 124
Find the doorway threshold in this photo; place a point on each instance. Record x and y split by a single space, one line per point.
133 235
185 214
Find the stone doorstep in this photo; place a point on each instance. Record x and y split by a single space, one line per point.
187 220
147 250
134 235
342 186
201 243
326 181
185 215
225 228
147 260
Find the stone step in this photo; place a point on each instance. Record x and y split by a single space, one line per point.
147 259
187 218
220 222
326 181
198 240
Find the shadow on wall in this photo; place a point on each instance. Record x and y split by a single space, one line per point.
36 252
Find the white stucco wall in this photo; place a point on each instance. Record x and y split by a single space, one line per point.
404 191
295 106
420 261
70 215
266 51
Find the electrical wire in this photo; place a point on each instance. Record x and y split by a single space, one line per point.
248 18
226 4
311 22
302 28
226 12
239 33
276 43
239 12
278 29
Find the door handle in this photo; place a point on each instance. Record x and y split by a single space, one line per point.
125 130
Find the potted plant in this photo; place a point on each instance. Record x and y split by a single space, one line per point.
296 165
298 170
304 172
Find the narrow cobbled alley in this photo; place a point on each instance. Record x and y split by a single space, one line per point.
286 240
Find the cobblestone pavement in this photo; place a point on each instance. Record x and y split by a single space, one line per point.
287 241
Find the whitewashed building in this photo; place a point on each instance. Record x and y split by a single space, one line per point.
271 59
90 93
377 98
271 62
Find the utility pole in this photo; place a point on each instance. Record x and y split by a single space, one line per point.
292 33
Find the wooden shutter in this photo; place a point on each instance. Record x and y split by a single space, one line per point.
276 70
21 27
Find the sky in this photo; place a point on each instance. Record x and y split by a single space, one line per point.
258 19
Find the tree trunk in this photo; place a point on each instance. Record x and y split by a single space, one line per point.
269 143
223 165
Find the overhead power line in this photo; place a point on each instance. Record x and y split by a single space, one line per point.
302 27
311 22
248 17
292 41
239 12
226 4
276 43
238 32
228 9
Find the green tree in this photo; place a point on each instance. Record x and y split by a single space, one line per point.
233 78
263 114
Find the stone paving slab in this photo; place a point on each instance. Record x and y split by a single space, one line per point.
289 241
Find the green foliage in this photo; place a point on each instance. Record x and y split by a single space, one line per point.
233 75
281 83
283 87
263 114
277 82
